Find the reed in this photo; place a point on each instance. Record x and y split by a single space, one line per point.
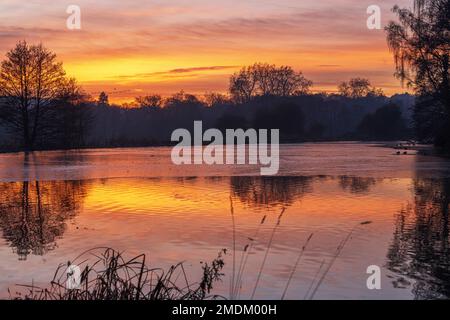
245 255
295 266
338 251
269 245
111 277
232 281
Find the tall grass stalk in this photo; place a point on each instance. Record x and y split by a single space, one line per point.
232 282
269 245
295 266
335 256
314 280
246 254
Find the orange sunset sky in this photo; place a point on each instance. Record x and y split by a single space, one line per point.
132 48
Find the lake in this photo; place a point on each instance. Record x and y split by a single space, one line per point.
55 205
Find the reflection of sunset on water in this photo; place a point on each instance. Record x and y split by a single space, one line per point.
174 219
189 219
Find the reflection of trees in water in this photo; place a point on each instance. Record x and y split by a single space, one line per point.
270 191
356 184
33 214
420 246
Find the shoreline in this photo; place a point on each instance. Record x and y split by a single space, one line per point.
400 145
158 145
422 149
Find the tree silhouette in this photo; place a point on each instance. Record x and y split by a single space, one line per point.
72 119
31 82
103 99
386 123
216 99
287 117
358 88
150 101
420 42
262 79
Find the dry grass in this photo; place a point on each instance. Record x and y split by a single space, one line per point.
107 275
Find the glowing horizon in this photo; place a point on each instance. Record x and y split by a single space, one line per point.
132 49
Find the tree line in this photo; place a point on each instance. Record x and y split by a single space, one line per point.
41 108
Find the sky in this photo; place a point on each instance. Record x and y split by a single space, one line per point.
139 47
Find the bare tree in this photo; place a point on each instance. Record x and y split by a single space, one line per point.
243 85
288 82
358 88
182 99
262 79
265 76
149 101
214 99
30 83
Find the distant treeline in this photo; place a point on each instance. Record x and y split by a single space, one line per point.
299 118
42 109
312 117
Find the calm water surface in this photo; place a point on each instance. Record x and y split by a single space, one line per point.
55 205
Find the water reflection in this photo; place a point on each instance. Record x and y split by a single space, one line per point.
34 214
284 190
138 214
420 246
357 184
270 191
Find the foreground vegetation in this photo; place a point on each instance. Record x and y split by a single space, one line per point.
110 276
